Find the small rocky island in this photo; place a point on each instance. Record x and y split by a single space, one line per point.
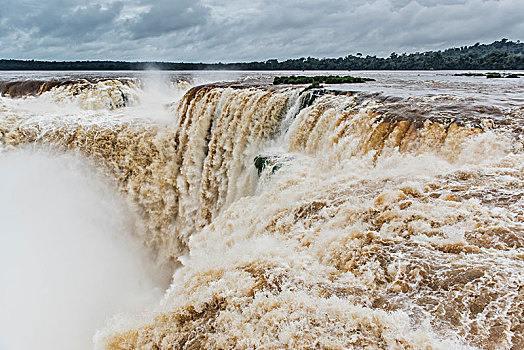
320 79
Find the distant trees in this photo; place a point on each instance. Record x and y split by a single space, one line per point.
502 54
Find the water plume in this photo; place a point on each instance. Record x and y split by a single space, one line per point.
68 258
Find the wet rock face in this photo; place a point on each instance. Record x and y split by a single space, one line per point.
16 89
272 162
72 87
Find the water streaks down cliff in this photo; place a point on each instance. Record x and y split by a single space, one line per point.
383 228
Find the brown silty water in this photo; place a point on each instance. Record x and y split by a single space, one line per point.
392 222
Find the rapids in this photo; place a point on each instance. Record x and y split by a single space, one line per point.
395 219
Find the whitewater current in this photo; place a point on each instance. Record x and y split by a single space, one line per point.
386 216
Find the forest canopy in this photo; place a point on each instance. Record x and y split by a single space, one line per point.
499 55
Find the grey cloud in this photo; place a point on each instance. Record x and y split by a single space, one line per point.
243 30
84 23
167 16
297 28
71 20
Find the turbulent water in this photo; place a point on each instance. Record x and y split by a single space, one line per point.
382 215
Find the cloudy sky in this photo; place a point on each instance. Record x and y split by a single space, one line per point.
245 30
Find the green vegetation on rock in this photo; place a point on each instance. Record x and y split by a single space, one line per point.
493 75
314 85
488 75
273 162
315 81
469 74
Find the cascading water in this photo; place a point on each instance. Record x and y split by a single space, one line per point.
387 223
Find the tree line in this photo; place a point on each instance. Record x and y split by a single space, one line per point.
499 55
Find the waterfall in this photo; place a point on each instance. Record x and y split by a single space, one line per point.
387 223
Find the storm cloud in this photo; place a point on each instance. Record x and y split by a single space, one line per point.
242 30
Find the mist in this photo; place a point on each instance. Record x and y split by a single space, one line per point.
69 256
157 93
